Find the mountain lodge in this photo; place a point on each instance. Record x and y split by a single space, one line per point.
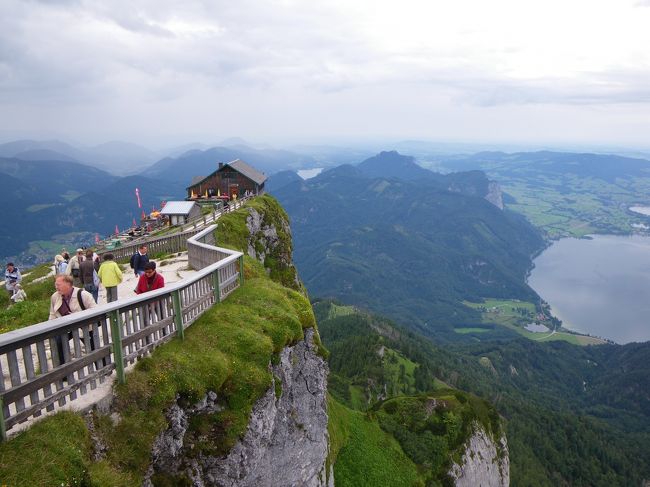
230 181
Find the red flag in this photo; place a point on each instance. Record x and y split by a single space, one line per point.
137 195
144 217
117 230
134 223
97 238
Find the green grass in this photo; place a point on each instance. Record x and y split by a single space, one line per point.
53 452
364 455
465 331
337 310
504 313
35 208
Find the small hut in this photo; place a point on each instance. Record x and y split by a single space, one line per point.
231 180
180 212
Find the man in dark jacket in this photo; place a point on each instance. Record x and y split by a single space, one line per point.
87 275
140 260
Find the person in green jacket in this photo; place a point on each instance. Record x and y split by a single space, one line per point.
110 275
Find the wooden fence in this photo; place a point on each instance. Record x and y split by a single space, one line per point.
176 242
59 361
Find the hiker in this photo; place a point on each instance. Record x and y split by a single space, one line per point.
88 275
139 260
150 280
73 268
19 294
110 275
60 264
68 299
12 277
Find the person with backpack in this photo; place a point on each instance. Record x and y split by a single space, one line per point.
12 277
88 275
110 275
66 300
139 260
73 268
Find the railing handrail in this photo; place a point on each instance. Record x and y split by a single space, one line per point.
44 327
58 360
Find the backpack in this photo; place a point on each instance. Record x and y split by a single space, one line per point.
132 261
80 299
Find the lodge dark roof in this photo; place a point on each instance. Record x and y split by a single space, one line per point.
239 166
248 171
196 180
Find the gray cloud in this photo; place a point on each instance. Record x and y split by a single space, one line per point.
161 58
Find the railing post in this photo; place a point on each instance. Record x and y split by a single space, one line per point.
178 314
116 332
217 286
241 270
3 427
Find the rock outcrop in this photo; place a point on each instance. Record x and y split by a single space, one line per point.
485 462
270 243
494 195
286 442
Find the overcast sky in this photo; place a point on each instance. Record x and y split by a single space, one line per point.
173 71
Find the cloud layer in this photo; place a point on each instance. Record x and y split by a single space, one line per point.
281 68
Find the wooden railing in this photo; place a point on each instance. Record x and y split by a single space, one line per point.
59 361
176 242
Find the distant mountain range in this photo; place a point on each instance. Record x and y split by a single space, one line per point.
114 157
204 162
411 247
607 167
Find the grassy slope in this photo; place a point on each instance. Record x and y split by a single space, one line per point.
364 454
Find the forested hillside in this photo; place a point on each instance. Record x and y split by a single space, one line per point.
50 204
573 414
411 249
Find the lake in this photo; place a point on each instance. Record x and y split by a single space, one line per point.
599 286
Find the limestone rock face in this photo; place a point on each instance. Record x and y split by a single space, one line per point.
495 195
286 443
270 243
484 463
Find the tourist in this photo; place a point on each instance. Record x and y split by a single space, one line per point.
73 268
60 264
139 260
150 280
19 294
66 300
88 275
12 277
110 275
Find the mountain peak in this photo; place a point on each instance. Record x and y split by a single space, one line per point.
393 164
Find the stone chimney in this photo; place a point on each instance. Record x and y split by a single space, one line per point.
220 165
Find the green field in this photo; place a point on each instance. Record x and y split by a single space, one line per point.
515 315
574 206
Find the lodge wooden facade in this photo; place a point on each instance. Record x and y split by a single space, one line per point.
231 180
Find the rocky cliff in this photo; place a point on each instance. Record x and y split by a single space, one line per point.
494 195
484 463
286 442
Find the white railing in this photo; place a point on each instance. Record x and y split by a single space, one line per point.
58 361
